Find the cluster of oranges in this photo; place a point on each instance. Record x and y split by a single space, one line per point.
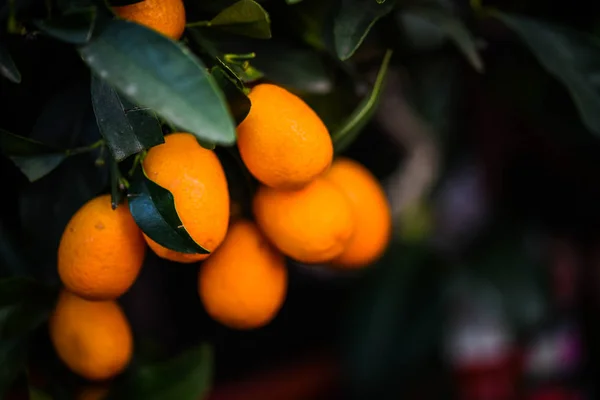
309 207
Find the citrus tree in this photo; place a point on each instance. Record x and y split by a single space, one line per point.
178 175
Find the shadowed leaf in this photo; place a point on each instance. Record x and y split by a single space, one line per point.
350 129
570 56
186 377
153 209
354 20
163 75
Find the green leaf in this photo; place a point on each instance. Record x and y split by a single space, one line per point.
116 192
163 75
298 68
354 20
8 69
350 129
450 26
35 159
239 103
24 305
153 209
115 123
74 27
118 3
570 56
186 377
246 17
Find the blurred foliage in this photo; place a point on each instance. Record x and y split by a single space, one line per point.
511 86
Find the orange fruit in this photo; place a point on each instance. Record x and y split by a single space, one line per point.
244 283
282 141
312 224
93 338
196 179
101 251
164 16
371 212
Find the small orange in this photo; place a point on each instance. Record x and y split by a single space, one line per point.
101 250
371 211
164 16
244 283
195 177
312 224
93 338
282 141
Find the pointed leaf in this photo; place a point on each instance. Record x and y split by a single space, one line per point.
354 20
186 377
115 125
8 69
453 28
346 134
159 73
246 17
570 56
35 159
73 27
153 209
239 103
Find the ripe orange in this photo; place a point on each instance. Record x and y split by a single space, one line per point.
371 212
244 283
196 179
101 251
93 338
164 16
312 224
282 141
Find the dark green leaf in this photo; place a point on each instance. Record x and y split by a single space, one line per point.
33 158
186 377
570 56
239 103
73 27
434 89
450 26
293 1
24 305
246 17
8 69
346 134
153 209
297 68
394 323
354 20
116 192
156 72
116 125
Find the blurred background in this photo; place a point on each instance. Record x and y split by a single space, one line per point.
489 287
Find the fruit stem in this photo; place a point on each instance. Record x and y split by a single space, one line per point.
85 149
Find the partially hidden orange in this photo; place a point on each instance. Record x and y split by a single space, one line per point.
195 177
164 16
371 212
244 283
312 224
